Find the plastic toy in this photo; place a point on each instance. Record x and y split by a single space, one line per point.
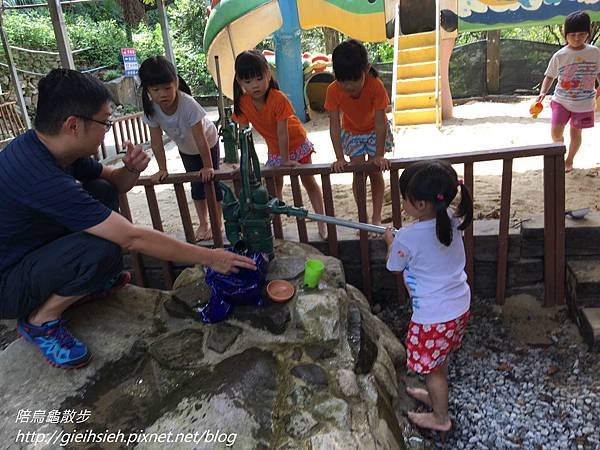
536 109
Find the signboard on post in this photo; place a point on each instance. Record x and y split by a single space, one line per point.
130 62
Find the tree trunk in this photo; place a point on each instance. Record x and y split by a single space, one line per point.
332 39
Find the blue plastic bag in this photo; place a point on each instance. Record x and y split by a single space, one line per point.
242 288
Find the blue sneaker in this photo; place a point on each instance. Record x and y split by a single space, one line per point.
56 344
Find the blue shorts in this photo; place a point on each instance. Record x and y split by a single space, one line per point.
355 145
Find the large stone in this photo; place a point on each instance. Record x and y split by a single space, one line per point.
273 318
179 350
335 410
237 396
124 91
222 336
299 424
285 268
279 377
364 350
311 374
318 315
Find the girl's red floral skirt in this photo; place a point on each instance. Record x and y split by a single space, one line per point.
428 345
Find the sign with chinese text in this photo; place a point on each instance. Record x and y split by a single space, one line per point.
130 62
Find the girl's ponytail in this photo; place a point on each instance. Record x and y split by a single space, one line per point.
373 72
443 225
183 86
146 102
237 97
465 207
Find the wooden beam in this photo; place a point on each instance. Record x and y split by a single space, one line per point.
61 34
493 62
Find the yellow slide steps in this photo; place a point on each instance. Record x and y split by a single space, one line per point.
414 102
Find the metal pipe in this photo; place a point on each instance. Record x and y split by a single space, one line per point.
347 223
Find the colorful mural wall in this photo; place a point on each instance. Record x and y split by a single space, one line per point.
476 15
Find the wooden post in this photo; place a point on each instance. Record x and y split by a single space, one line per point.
493 62
14 76
61 34
164 27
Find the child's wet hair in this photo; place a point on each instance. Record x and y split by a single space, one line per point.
436 182
158 70
249 64
350 61
578 22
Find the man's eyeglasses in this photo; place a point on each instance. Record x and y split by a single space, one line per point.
107 125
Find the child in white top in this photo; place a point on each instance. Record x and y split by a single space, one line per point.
432 256
169 107
577 66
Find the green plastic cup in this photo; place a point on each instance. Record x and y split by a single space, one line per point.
312 272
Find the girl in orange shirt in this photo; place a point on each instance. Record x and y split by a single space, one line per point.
360 96
258 100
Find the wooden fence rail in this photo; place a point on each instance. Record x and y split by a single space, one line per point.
554 210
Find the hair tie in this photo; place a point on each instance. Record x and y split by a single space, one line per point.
461 182
440 197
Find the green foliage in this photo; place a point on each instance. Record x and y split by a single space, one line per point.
108 75
30 30
380 52
104 40
148 41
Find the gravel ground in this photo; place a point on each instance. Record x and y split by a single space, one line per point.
523 379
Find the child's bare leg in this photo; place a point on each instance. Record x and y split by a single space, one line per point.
377 188
574 145
356 177
437 386
557 132
419 394
316 199
203 232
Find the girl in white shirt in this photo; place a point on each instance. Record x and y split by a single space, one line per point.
169 107
432 256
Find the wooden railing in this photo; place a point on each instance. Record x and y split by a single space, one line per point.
554 210
126 128
11 123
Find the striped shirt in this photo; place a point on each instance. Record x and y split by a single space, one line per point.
41 201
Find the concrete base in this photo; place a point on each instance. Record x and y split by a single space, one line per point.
590 326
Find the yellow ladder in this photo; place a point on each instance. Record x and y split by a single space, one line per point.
414 78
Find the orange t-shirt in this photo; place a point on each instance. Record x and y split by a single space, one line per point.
276 108
359 113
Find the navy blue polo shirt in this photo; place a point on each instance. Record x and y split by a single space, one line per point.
41 201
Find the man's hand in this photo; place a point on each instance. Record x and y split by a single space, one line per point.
381 163
228 262
339 165
159 176
136 159
206 174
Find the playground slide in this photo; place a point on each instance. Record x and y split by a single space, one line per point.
237 25
234 26
363 20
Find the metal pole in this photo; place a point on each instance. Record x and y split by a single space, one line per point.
347 223
221 100
164 27
60 32
14 76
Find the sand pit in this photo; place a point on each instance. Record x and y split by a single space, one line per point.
478 125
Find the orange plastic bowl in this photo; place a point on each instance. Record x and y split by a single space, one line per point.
280 290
